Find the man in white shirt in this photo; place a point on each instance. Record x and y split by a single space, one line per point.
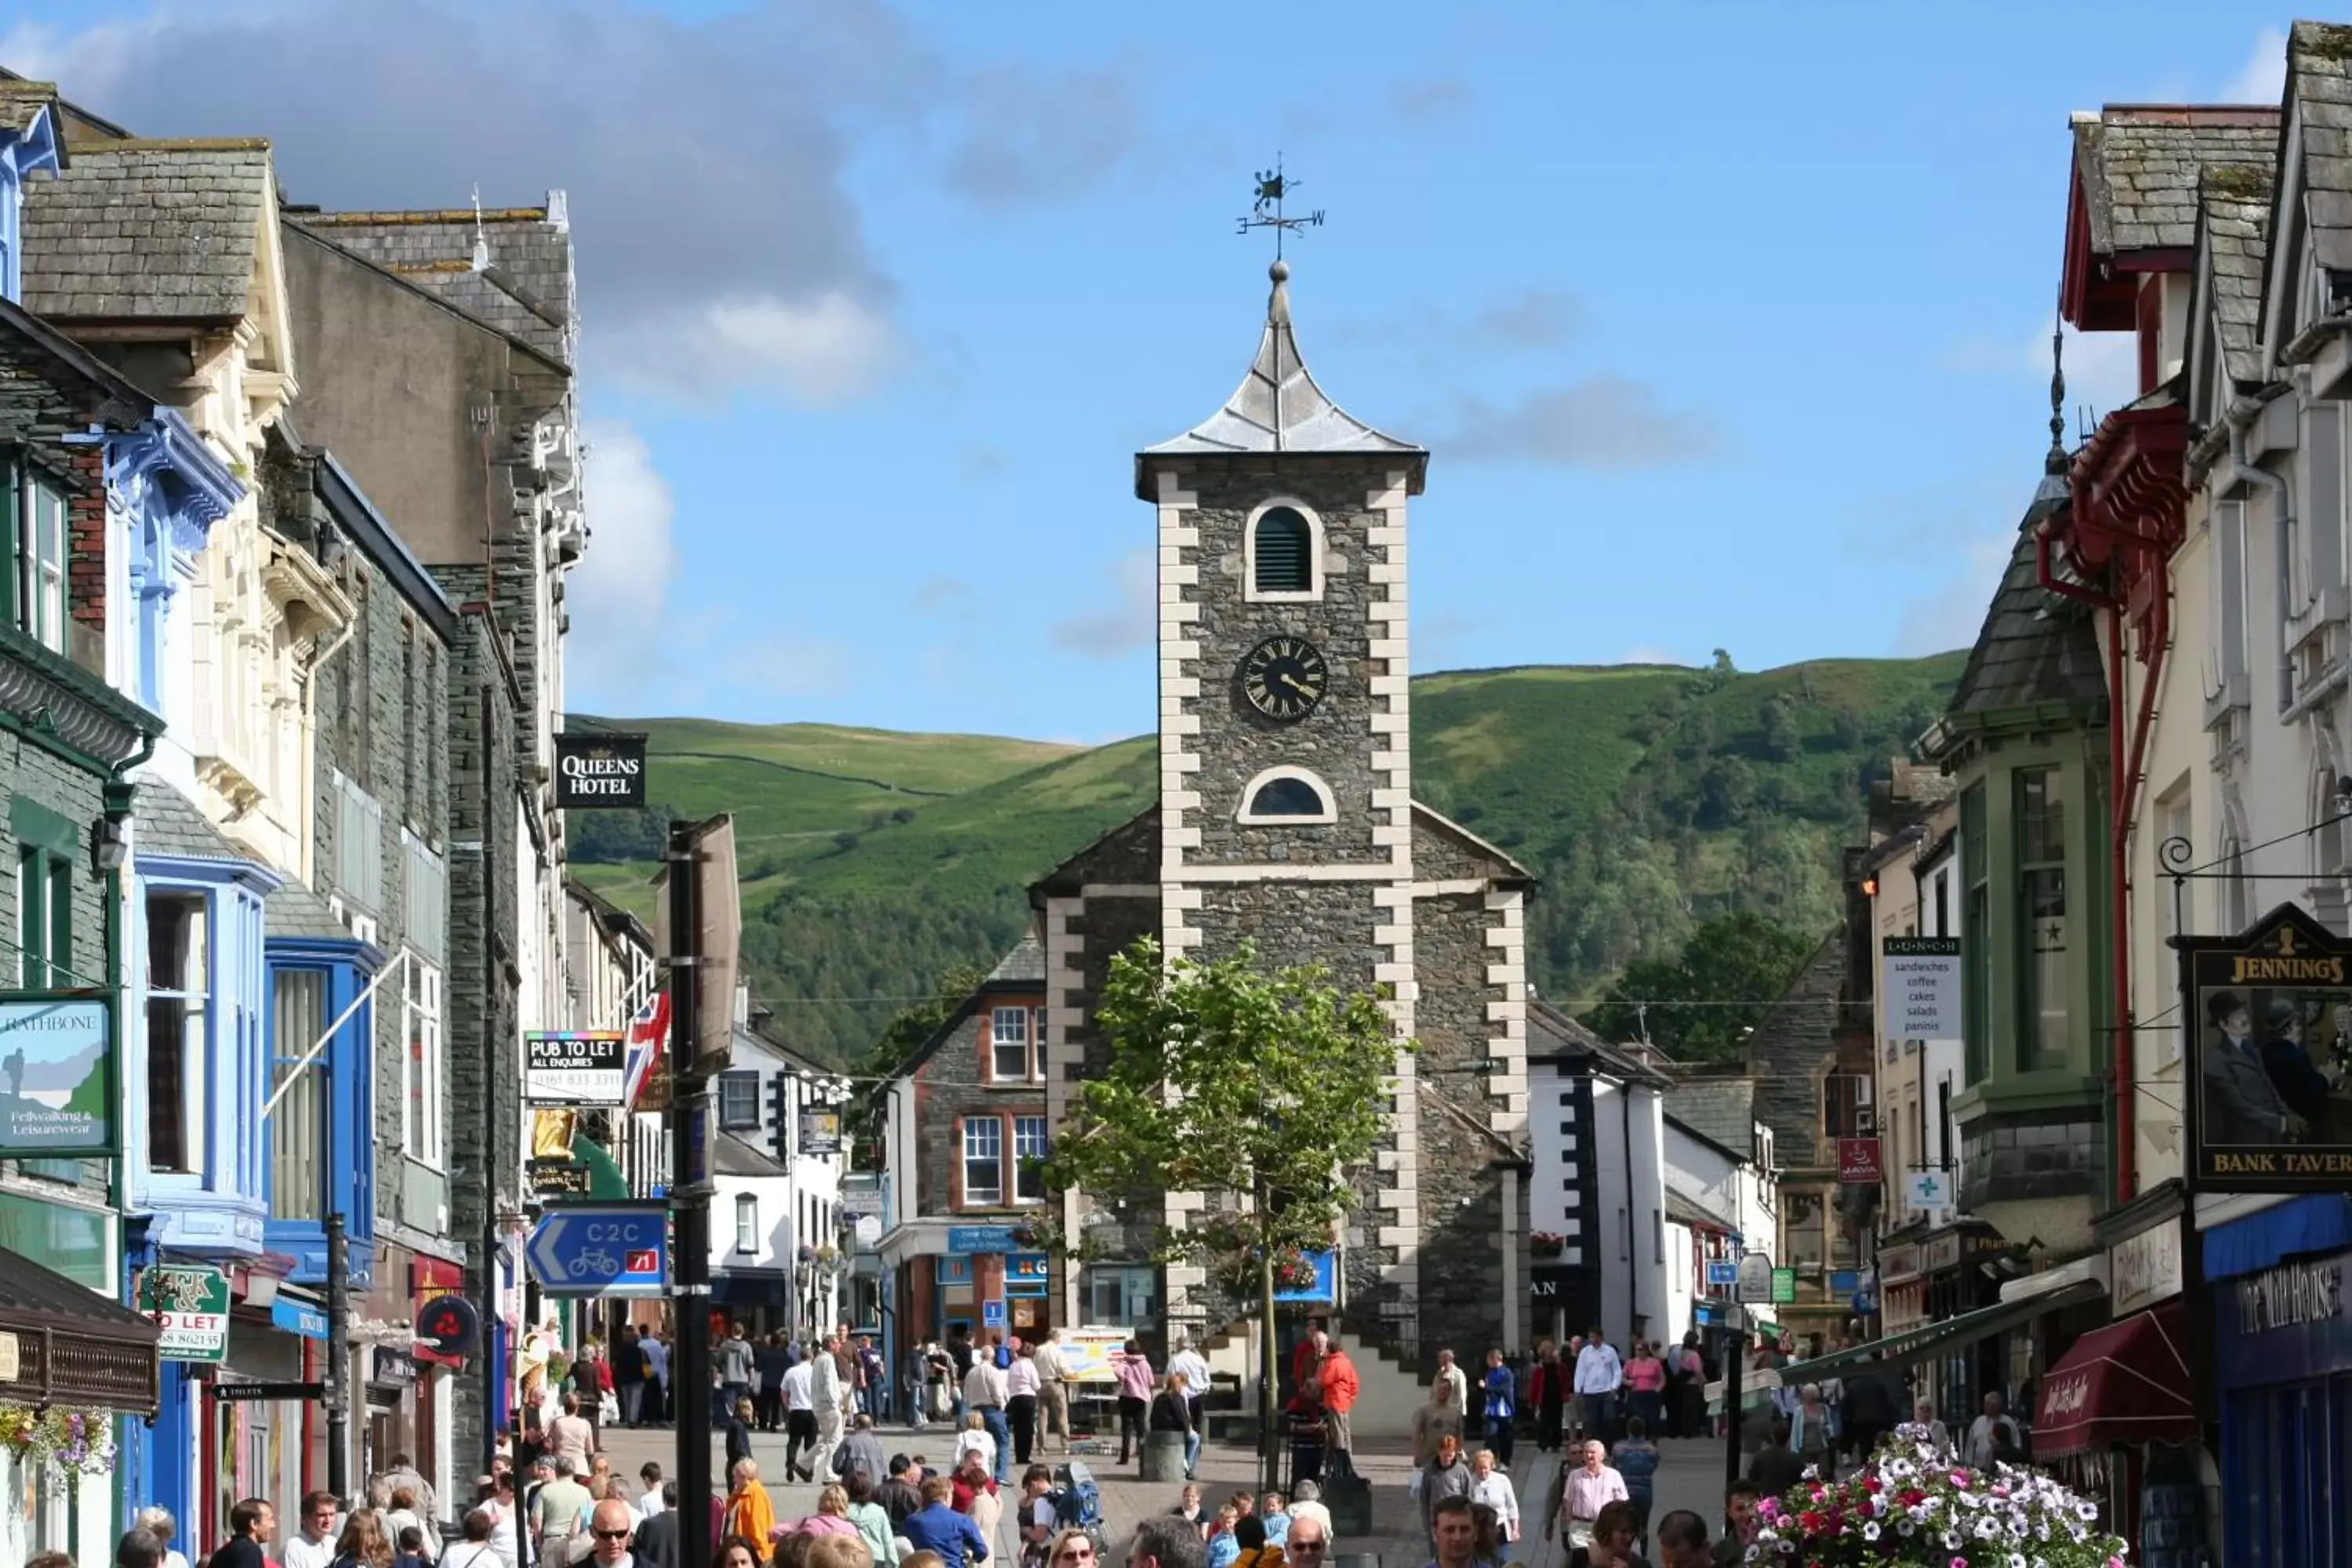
985 1391
1183 1358
800 1418
1600 1373
1991 1433
1052 1394
649 1502
313 1544
1457 1385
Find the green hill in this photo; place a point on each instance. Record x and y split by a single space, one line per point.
1648 798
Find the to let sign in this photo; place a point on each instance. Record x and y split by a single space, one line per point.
1858 1161
191 1306
573 1068
597 770
1919 979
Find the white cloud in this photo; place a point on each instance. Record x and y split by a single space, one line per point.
1601 422
1130 621
829 351
2102 368
1950 615
2263 78
619 593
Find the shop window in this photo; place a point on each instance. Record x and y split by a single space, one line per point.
298 1127
1030 1144
179 1065
739 1102
2041 918
983 1162
1121 1297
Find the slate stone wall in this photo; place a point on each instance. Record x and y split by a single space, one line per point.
2031 1156
1460 1187
1236 742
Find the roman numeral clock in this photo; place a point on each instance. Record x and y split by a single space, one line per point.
1284 678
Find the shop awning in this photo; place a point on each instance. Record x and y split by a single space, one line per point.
71 1345
605 1178
1929 1340
2127 1382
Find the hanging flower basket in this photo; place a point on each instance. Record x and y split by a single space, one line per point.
74 1441
808 1254
1028 1235
1546 1243
1910 1504
1294 1272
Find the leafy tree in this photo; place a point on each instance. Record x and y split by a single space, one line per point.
1232 1083
1699 1004
615 838
1782 740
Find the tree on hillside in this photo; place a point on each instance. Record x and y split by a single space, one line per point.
1254 1090
1784 740
1699 1004
612 838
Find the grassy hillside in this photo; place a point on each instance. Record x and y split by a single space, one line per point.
1646 797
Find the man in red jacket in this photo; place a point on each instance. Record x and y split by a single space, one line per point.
1337 1375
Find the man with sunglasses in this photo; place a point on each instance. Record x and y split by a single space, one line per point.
611 1525
1309 1544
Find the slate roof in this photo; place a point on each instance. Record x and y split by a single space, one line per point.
730 1156
20 100
294 911
2139 166
1023 965
166 822
1552 1031
2319 84
1278 407
147 230
526 290
2235 203
1721 1108
2035 647
1788 1048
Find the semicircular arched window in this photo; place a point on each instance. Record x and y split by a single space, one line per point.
1290 796
1282 552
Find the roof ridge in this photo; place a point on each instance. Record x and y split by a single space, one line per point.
86 146
421 217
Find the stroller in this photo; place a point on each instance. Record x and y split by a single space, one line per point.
1078 1501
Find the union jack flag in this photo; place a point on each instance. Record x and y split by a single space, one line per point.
647 1044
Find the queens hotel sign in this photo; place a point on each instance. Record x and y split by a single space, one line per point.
596 769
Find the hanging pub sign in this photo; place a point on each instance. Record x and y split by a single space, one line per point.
820 1133
598 770
2271 1015
575 1068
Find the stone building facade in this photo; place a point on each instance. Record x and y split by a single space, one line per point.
1286 820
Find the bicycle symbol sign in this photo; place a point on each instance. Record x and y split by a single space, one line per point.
602 1249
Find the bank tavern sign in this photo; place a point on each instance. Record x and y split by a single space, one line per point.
2290 1295
2266 1012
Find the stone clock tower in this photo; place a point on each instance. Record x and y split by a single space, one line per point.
1286 819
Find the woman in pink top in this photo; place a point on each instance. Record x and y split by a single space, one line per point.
1645 1382
1133 1370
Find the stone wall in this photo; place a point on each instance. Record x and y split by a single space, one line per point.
2033 1157
951 1084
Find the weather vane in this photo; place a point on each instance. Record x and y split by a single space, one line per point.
1266 212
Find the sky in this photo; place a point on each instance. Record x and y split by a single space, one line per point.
1726 325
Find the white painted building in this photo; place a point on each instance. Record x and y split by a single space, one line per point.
1596 1143
777 1255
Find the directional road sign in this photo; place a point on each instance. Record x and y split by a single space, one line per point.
602 1249
1722 1274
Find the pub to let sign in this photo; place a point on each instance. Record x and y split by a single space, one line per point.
575 1068
1919 978
597 770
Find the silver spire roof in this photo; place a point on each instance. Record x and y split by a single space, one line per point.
1278 407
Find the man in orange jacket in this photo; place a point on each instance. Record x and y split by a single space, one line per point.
1337 1375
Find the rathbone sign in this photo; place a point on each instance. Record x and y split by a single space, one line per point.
595 770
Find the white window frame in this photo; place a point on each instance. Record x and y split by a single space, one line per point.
1028 1130
1027 1019
978 1130
1244 812
43 542
359 815
737 1077
1315 576
747 1223
423 1065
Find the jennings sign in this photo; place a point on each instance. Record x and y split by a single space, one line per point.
593 770
2270 1017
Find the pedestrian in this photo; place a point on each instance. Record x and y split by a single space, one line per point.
1869 1412
1276 1516
404 1515
1172 1412
770 1362
1577 1501
1453 1533
859 1452
1447 1475
937 1528
1776 1467
1548 1392
974 1439
1600 1373
159 1523
1308 1541
1132 1368
737 1552
1739 1521
1250 1548
1162 1542
875 1525
1491 1487
1021 1386
1809 1436
1681 1541
1457 1384
1636 1458
901 1493
649 1501
829 1392
138 1549
1501 1406
739 1432
1439 1417
985 1391
800 1421
1690 1404
1053 1391
363 1543
313 1544
1224 1547
1188 1509
750 1511
1337 1374
250 1523
1645 1386
1070 1549
473 1550
1923 1415
1034 1518
560 1510
1614 1535
1302 1420
610 1530
1992 1433
1182 1357
569 1435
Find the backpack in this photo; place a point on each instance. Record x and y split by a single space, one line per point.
1076 1500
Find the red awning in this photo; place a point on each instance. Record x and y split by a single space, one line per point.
2127 1382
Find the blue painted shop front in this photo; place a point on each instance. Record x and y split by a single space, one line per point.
2282 1349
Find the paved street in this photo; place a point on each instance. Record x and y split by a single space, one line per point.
1690 1477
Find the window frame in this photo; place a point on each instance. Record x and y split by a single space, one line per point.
747 1225
736 1079
1314 591
1246 811
45 918
285 1056
187 1119
1032 1062
424 1050
1028 1182
968 1132
38 581
2040 844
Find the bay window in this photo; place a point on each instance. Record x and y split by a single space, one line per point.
1975 940
2041 918
297 1128
179 1059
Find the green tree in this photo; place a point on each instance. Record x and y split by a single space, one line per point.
1243 1086
1782 739
1699 1004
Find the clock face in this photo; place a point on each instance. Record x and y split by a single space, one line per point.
1284 677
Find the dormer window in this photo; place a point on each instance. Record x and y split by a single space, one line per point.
1284 550
1290 797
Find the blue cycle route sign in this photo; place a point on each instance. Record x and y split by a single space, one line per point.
602 1249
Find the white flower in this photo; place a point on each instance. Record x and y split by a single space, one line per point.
1869 1532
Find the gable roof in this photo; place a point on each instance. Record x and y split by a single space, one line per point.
1720 1109
1445 826
2319 90
2139 167
1790 1044
2233 235
1564 1036
2034 646
296 225
508 267
1278 407
21 102
1022 969
166 822
148 231
731 1156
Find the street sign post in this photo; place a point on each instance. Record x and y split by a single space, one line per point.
602 1249
1722 1274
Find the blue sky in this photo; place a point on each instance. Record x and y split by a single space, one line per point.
1727 324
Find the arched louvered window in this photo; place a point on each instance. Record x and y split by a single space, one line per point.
1282 551
1288 797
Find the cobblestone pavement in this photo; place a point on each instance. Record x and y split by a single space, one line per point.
1690 1476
